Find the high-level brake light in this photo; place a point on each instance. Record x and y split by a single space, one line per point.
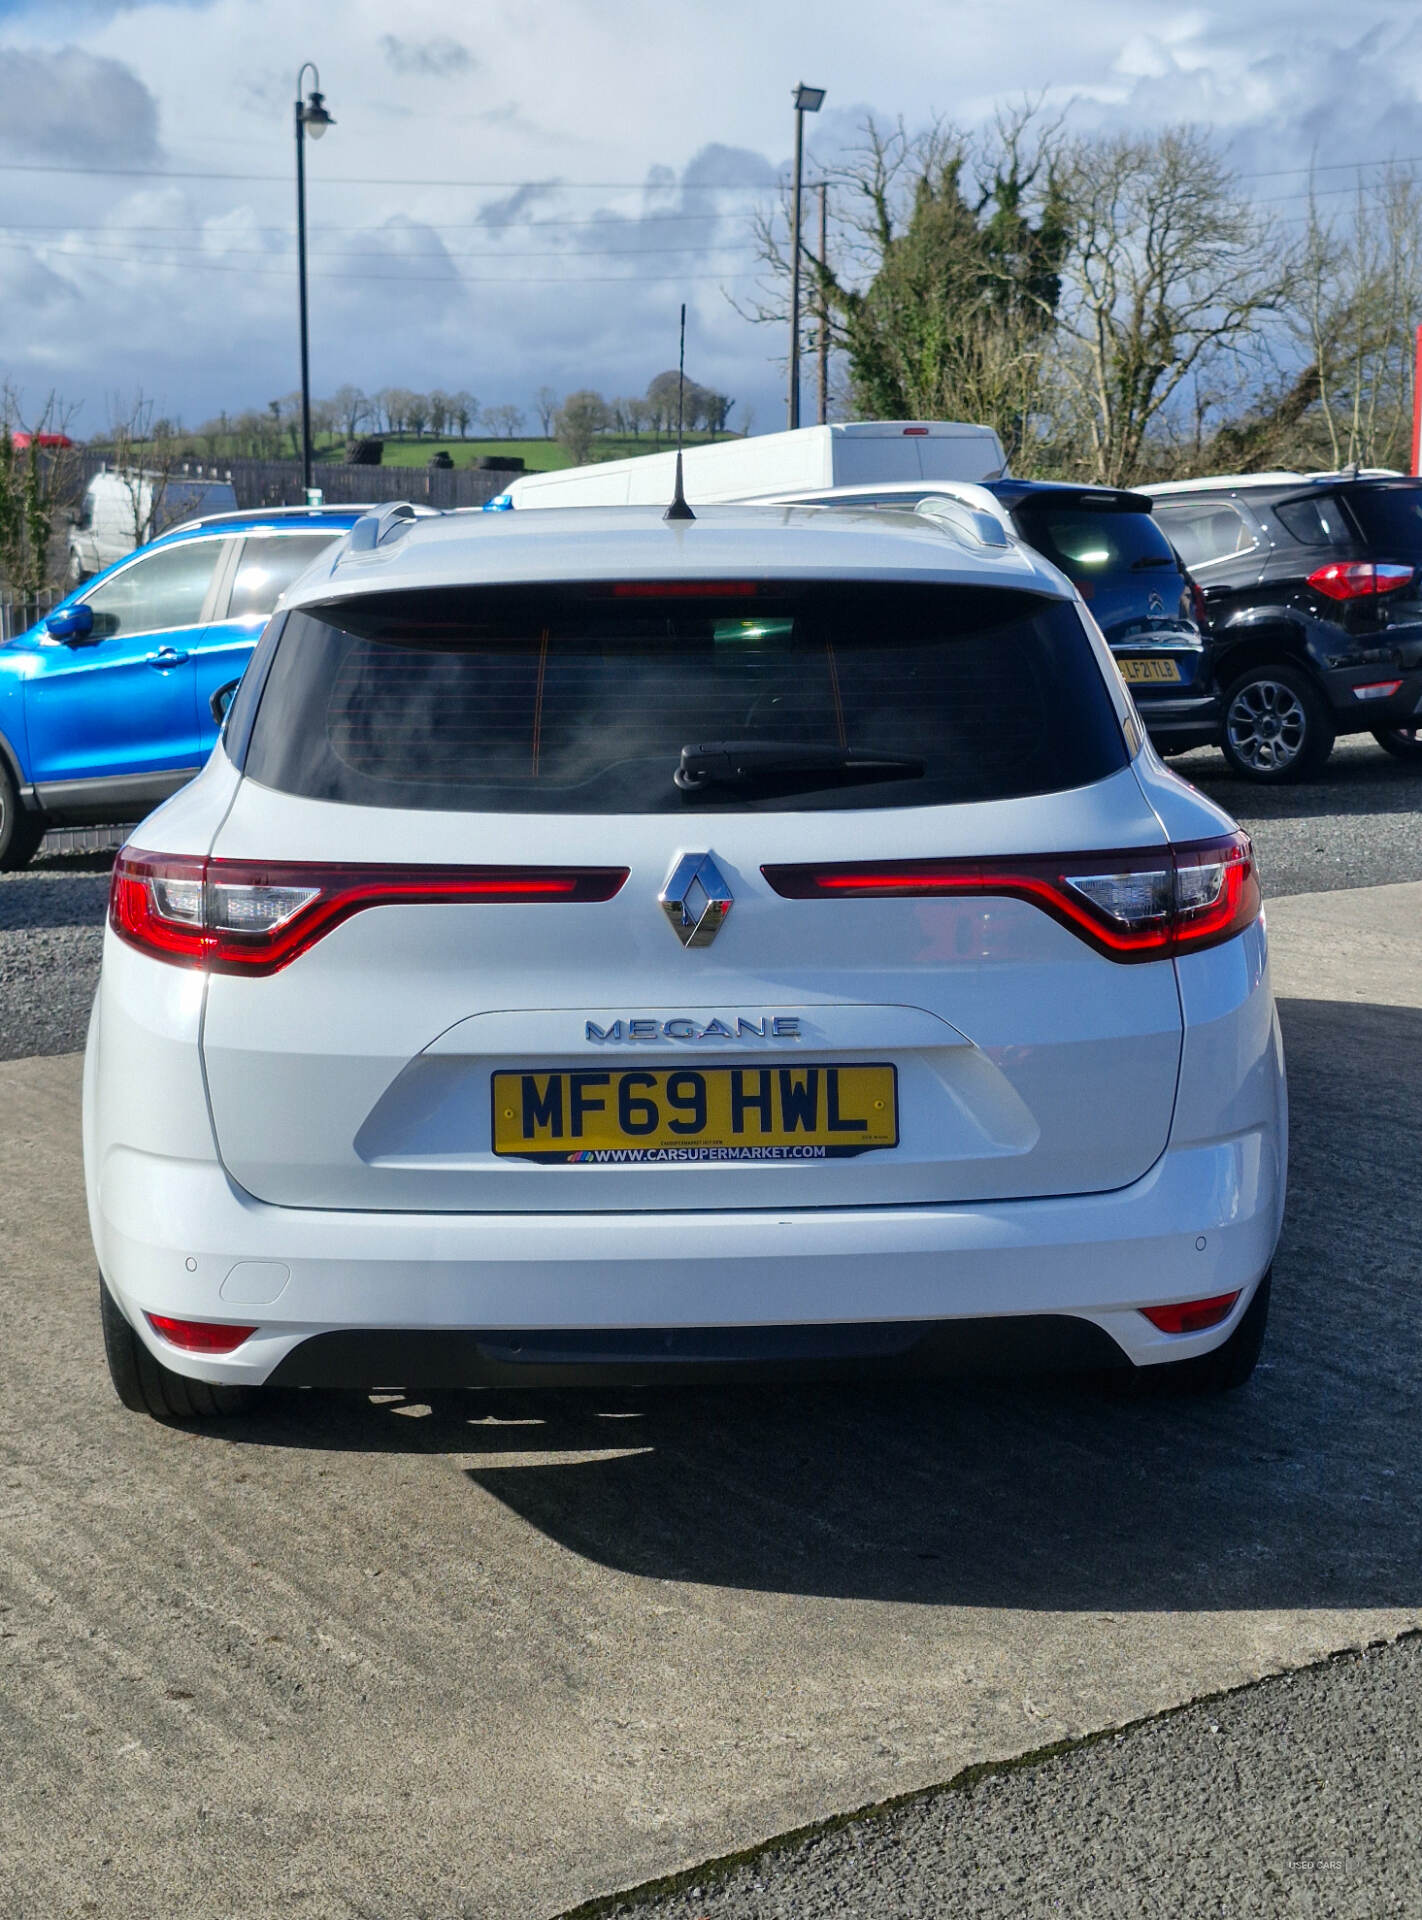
1144 905
1359 579
255 916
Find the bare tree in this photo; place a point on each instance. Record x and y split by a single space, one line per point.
1355 296
465 411
417 413
394 404
505 420
634 412
142 453
582 416
545 405
352 409
1168 281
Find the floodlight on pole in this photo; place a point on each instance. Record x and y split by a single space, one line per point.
312 118
807 100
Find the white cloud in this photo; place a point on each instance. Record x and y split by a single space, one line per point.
584 132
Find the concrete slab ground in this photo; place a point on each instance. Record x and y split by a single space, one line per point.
496 1657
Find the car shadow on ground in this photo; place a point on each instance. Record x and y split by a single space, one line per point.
1302 1490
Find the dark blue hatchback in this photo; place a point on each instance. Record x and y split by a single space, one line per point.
1139 593
105 705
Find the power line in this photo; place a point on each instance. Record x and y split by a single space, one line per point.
360 180
368 226
140 251
408 279
1329 166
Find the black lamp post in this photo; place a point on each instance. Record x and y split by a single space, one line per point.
807 100
313 117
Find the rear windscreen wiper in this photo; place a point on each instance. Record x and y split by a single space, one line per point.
742 762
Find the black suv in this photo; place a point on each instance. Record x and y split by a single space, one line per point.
1313 586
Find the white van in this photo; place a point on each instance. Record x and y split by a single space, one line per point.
854 452
123 508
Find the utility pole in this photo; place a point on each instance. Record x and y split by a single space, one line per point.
824 304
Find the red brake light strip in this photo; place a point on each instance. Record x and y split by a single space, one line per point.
1054 884
183 909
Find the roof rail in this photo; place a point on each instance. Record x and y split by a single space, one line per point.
968 511
1282 478
374 529
229 515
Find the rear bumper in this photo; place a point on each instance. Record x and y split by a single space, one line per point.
1177 724
175 1237
1356 714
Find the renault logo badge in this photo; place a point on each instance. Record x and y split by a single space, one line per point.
696 899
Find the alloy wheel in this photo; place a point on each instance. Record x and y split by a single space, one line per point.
1267 725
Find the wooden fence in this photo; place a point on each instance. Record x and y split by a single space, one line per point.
277 483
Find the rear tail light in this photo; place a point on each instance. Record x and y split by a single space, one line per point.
1191 1316
1198 607
1359 579
253 917
200 1336
1147 905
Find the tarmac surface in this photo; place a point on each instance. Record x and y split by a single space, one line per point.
1298 1795
495 1657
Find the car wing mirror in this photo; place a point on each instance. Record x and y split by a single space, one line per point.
221 700
73 625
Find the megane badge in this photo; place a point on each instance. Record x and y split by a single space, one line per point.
696 899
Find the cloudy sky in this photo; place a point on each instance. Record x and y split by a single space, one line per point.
521 194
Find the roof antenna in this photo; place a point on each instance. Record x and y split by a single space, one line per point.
679 510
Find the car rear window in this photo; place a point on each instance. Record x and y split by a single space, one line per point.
1087 544
1390 517
580 699
1316 521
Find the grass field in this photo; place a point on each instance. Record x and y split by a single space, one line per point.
538 456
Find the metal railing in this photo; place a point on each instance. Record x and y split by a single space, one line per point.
17 615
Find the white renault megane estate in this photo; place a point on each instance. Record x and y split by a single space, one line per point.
612 948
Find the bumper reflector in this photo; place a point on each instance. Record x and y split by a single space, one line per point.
1377 690
1191 1316
199 1336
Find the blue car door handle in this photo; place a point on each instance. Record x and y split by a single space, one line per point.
166 657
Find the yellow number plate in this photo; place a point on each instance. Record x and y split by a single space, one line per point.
1137 670
651 1116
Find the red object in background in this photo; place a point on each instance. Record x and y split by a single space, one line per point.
20 441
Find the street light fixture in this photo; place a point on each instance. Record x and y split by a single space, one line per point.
312 118
807 100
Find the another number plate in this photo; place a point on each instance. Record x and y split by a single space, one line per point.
630 1117
1138 670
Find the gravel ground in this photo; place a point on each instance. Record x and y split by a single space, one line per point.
1298 1795
51 934
1360 826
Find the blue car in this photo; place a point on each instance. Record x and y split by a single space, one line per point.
105 705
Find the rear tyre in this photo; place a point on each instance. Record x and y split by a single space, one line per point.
20 832
1227 1367
1278 726
1403 743
145 1385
